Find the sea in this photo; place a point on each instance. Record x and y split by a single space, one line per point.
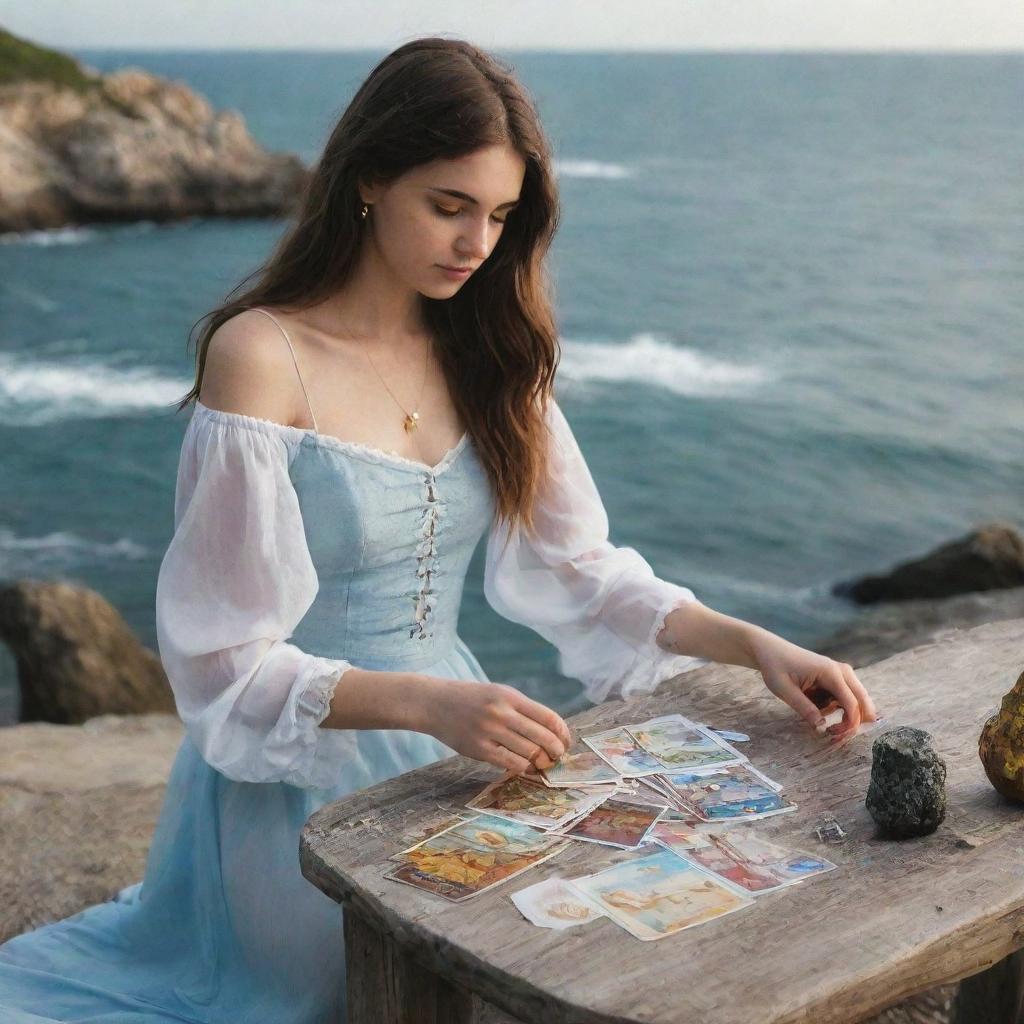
790 298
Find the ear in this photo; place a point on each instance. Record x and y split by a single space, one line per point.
369 190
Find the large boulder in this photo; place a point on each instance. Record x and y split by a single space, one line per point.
78 805
77 146
76 656
990 557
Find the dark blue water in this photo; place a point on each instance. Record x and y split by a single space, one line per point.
789 289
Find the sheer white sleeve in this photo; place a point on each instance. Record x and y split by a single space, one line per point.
235 581
600 605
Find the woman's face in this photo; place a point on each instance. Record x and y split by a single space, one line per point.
419 224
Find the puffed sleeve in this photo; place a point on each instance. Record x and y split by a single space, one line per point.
235 581
600 605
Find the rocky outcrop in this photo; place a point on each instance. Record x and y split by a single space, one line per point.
123 147
78 805
76 656
988 558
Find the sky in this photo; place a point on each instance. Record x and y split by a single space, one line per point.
823 25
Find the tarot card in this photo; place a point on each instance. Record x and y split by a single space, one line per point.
473 856
789 865
540 806
580 767
679 836
735 870
736 792
615 823
621 751
438 823
677 743
657 895
554 904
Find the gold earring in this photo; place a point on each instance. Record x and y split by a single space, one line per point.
366 210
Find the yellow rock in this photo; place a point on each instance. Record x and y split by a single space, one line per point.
1001 745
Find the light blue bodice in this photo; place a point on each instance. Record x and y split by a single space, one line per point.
391 540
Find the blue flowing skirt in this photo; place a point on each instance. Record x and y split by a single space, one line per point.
223 928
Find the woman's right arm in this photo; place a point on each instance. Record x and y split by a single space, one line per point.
491 722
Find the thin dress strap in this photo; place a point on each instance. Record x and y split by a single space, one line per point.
295 360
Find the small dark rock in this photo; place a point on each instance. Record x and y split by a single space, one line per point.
907 793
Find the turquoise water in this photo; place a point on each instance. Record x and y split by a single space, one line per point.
790 302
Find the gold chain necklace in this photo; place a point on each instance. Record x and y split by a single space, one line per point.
412 419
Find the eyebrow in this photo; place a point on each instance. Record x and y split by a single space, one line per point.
469 199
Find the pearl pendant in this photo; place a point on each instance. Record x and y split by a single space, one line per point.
411 421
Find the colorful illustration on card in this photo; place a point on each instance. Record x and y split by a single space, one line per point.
736 792
677 743
533 804
622 753
472 856
660 894
615 823
580 767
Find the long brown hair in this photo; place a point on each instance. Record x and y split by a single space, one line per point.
438 98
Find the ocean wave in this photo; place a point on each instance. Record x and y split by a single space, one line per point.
72 235
21 556
647 359
36 393
591 169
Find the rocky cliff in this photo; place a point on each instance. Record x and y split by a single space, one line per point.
77 147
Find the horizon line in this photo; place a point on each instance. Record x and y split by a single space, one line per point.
844 51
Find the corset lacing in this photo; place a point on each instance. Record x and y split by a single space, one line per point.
427 566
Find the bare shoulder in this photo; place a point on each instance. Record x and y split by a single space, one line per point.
249 369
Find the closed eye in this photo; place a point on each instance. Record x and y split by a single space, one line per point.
445 212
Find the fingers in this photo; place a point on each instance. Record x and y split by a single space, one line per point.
533 752
551 720
536 735
869 712
502 757
802 705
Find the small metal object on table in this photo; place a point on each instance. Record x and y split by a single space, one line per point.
894 919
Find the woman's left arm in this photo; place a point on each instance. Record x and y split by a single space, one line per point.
811 684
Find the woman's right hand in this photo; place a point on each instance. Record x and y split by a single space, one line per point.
495 723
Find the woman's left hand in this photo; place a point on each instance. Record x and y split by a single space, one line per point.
812 684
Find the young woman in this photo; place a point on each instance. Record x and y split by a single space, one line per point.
378 401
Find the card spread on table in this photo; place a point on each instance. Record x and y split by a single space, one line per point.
672 793
659 894
554 904
677 743
471 856
615 823
540 806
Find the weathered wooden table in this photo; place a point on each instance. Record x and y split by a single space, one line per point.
894 919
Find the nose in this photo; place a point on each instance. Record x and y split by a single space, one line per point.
475 242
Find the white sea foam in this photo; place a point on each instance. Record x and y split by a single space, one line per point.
591 169
59 550
647 359
75 235
35 392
